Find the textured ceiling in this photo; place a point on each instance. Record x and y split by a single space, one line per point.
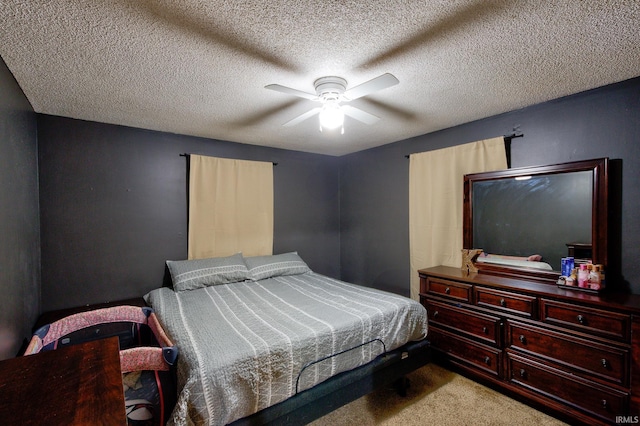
200 67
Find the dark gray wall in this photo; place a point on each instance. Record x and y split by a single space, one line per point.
114 207
19 226
374 218
374 194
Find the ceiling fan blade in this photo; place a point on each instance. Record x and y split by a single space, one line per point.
359 114
301 118
290 91
381 82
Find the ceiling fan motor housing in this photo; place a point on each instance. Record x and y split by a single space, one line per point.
330 88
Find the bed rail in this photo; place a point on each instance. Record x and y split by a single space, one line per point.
310 404
309 364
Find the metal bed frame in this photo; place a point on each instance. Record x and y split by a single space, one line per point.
313 403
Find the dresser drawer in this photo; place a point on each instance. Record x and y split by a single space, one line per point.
449 289
589 320
588 396
513 303
473 324
597 360
461 349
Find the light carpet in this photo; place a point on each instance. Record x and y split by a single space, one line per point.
437 397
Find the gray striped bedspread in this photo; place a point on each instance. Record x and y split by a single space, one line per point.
242 345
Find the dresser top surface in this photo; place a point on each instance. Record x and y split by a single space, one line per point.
616 300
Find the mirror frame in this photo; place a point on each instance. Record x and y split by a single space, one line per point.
599 214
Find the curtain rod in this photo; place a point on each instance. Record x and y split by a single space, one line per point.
187 154
506 137
514 135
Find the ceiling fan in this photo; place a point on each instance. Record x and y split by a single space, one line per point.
331 92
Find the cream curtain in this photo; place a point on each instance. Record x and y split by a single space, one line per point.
436 200
230 207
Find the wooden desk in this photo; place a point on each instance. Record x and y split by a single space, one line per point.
76 385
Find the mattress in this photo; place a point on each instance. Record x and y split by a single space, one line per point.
515 262
248 345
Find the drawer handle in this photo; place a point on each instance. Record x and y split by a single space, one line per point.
503 303
487 360
523 373
582 320
605 363
523 339
604 403
447 290
485 330
435 314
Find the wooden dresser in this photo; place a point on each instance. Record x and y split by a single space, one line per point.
574 354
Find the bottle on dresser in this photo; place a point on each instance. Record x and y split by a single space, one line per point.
596 278
583 276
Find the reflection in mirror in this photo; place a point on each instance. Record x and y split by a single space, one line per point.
531 221
528 225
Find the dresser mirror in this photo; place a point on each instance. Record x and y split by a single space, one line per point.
527 219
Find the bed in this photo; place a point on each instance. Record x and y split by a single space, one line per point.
261 337
533 261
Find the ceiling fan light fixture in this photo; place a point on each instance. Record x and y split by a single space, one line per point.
331 116
330 92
